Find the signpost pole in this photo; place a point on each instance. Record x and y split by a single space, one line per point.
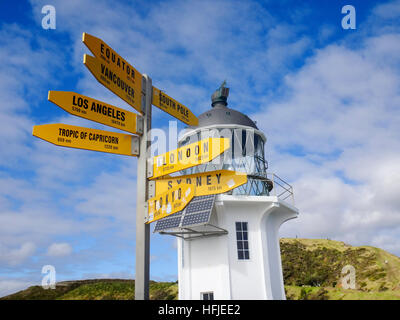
142 276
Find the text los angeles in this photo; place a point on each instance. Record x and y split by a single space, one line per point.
98 108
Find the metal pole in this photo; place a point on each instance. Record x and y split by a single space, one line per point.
142 276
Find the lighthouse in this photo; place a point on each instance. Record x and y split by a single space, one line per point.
228 244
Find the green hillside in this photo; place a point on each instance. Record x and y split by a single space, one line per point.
311 270
96 289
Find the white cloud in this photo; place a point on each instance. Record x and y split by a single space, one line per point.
9 286
16 256
341 116
59 249
111 196
27 64
388 10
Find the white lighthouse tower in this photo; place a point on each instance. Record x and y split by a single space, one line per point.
228 244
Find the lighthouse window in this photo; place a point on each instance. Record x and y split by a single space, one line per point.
242 241
207 295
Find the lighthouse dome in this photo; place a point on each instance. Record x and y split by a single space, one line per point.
220 115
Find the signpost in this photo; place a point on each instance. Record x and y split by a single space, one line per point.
173 107
98 111
187 156
116 70
142 259
90 139
173 194
205 183
170 201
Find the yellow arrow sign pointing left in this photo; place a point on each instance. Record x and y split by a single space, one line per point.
113 79
170 202
115 64
90 139
95 110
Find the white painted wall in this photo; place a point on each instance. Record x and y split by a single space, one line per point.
211 264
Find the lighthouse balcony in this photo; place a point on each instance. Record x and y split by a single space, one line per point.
266 183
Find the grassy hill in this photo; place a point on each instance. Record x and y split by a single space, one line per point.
96 289
311 270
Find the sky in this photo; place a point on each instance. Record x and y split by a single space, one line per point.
327 99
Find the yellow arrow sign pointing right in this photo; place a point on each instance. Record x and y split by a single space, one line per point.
173 107
205 183
188 156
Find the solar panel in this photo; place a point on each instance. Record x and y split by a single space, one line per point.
195 219
199 206
179 213
197 212
168 223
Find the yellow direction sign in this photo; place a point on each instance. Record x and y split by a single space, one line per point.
113 80
170 202
173 107
187 156
205 183
90 139
115 69
95 110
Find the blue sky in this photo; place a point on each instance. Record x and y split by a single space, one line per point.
326 98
